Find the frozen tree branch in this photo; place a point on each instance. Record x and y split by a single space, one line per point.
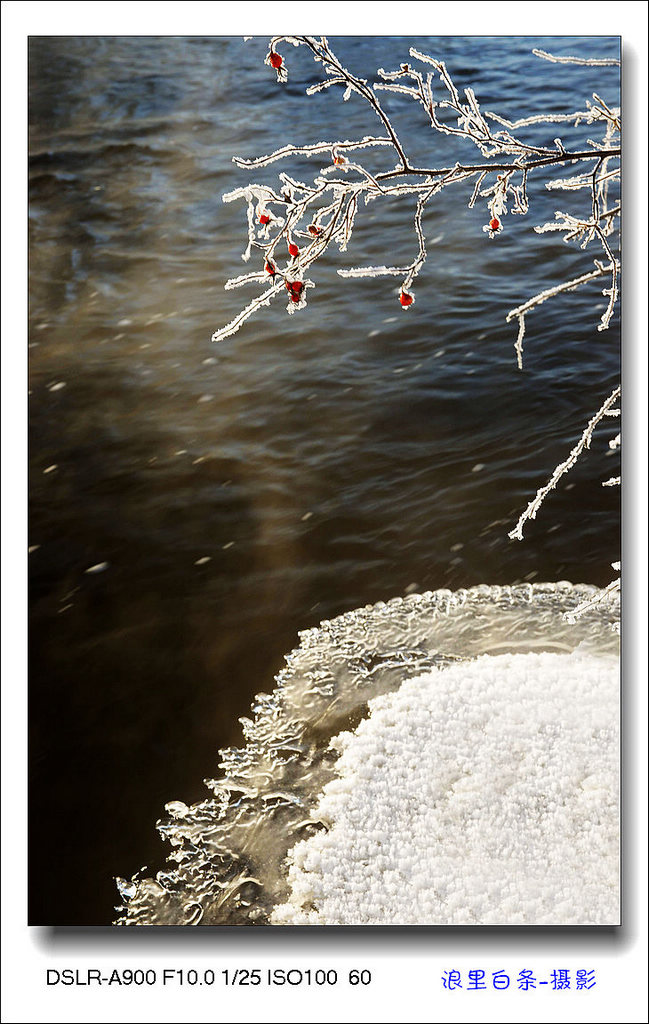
592 62
601 597
563 467
565 286
319 148
302 219
323 211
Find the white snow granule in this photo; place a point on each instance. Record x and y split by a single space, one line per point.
482 793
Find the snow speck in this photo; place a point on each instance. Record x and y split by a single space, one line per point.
50 469
478 467
203 561
99 567
60 384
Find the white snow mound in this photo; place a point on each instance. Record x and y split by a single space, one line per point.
481 793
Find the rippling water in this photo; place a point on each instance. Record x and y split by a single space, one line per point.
229 496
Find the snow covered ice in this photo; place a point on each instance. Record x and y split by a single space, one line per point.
481 793
441 758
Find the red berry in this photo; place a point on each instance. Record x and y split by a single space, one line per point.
264 218
494 223
406 299
293 249
271 269
295 297
295 288
313 229
275 60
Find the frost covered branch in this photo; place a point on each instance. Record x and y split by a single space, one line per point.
307 217
602 596
565 286
291 227
590 61
607 409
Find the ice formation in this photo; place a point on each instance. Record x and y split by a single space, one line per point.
481 793
228 863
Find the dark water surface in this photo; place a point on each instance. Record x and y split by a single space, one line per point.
233 494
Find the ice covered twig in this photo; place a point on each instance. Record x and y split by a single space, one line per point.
324 210
563 467
536 300
609 593
593 62
304 218
317 149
